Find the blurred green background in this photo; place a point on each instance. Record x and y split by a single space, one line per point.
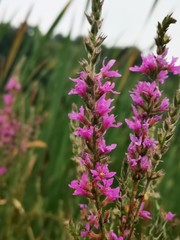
35 201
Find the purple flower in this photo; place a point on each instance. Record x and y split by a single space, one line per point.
113 236
145 163
150 142
86 160
87 230
77 116
137 126
106 87
101 172
82 187
93 219
110 193
8 99
13 84
148 89
102 105
148 65
157 67
137 141
85 132
169 216
83 206
108 121
143 213
164 106
105 149
172 67
3 170
105 70
162 76
80 87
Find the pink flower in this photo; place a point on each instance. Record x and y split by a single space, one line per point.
13 84
150 142
145 163
110 193
148 65
157 67
85 160
101 172
87 230
172 67
137 126
143 213
3 170
108 121
162 75
82 187
105 149
105 70
107 87
85 132
102 105
169 216
93 219
113 236
137 141
8 99
164 106
80 87
150 90
83 206
78 116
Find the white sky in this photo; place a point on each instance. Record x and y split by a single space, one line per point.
123 20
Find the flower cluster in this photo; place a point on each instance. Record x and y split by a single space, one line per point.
157 67
147 107
10 125
94 121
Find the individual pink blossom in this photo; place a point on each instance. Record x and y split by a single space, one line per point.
87 230
164 106
101 172
108 121
148 65
170 216
154 120
162 75
113 236
3 170
13 84
149 142
105 149
103 105
93 219
145 163
105 70
107 87
82 187
78 116
80 87
85 132
143 213
136 140
83 206
86 160
136 125
110 193
8 99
